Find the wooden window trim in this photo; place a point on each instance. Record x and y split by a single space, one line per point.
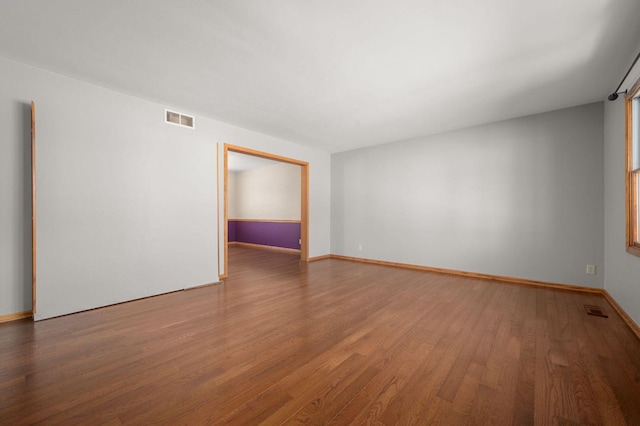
632 177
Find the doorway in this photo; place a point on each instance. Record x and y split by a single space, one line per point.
304 198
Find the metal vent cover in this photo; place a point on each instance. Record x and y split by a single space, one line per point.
595 311
179 119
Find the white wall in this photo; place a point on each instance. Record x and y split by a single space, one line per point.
623 269
15 197
232 199
519 198
126 203
268 192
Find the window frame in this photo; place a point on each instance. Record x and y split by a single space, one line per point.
632 176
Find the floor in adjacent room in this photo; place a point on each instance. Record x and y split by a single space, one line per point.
332 341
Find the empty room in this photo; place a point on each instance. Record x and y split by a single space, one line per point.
322 212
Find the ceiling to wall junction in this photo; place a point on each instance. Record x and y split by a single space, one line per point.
335 75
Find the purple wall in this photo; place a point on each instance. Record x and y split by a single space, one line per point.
232 231
277 234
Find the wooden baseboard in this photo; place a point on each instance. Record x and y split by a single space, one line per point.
472 274
17 316
635 329
316 258
263 247
623 314
569 287
266 220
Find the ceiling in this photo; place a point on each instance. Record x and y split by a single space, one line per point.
335 74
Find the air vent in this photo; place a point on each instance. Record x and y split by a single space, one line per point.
179 119
595 311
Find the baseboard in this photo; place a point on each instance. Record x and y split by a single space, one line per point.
266 220
316 258
17 316
635 329
472 274
264 247
623 314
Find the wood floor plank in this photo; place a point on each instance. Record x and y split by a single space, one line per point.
524 332
328 342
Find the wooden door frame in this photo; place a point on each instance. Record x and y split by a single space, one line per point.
33 208
304 198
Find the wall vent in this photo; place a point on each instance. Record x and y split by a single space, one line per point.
179 119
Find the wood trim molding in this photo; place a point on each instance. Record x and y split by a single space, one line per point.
635 329
633 247
264 247
472 274
304 212
634 90
623 314
265 220
628 190
262 154
316 258
33 210
304 199
225 179
631 203
218 205
14 317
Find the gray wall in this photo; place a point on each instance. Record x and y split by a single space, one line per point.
623 269
126 203
519 198
15 199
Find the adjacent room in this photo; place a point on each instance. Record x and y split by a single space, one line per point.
323 212
264 205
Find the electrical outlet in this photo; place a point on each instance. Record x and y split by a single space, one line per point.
360 247
591 269
300 241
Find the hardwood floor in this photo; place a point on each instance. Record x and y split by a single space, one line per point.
328 342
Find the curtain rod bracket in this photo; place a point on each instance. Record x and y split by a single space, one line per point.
614 95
